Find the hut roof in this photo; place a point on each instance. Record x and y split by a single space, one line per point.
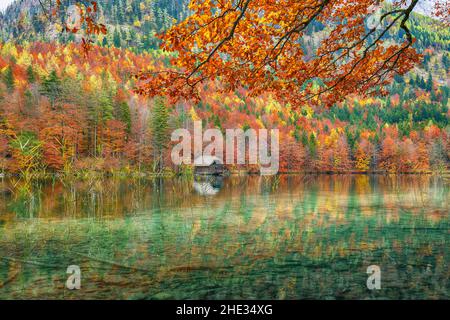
206 161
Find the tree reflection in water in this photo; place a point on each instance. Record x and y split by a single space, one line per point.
289 237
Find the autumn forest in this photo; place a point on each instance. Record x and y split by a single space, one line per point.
93 205
62 111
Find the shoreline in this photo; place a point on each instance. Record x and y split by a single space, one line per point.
150 175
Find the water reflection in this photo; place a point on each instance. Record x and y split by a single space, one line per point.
283 237
207 186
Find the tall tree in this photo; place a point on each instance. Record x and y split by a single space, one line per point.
51 87
159 129
124 115
9 79
30 74
116 38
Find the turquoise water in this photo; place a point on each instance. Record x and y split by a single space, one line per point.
289 237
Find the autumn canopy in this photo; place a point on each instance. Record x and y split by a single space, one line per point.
315 50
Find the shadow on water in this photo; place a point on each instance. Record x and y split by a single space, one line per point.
287 237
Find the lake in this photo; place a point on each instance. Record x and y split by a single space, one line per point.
287 237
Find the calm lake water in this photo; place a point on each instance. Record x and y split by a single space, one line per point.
291 237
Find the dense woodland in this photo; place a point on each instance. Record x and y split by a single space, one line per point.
62 112
132 24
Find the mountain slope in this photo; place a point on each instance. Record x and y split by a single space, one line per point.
131 23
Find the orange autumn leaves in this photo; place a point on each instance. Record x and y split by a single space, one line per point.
443 11
315 50
86 126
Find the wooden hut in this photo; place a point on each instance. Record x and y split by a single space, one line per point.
209 165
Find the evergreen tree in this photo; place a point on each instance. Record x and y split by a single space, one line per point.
429 85
30 74
312 146
51 87
125 115
305 139
159 128
399 79
105 107
116 38
422 83
9 79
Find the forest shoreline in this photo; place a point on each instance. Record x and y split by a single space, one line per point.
171 174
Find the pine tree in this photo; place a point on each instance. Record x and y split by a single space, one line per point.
429 85
30 74
399 79
312 146
423 84
159 128
125 115
9 79
51 87
105 107
305 139
116 38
